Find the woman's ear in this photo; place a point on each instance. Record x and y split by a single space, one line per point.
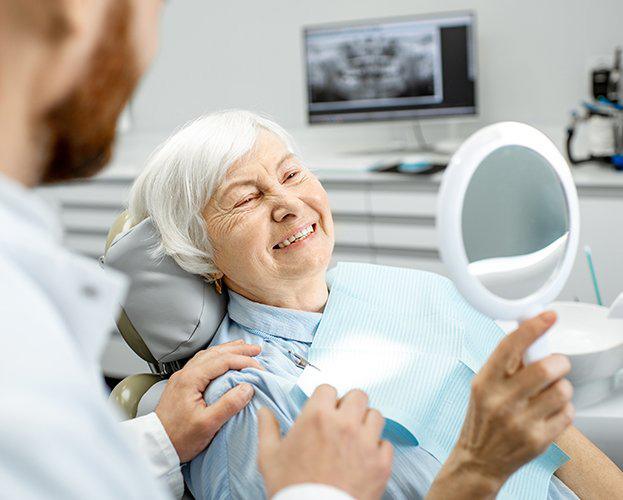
217 279
216 276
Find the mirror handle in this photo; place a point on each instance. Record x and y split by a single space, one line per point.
541 347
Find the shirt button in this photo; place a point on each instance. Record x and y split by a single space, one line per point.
89 291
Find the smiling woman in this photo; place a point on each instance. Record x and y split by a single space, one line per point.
232 201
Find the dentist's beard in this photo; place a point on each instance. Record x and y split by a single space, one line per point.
81 129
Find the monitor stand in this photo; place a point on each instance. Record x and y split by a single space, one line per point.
418 147
419 156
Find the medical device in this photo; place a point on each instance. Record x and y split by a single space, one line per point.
603 117
300 361
589 259
508 222
389 69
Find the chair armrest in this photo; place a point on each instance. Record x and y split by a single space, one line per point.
130 390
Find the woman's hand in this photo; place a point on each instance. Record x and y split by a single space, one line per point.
188 421
337 443
515 413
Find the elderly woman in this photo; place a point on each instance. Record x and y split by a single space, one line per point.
235 204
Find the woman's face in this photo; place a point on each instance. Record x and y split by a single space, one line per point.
269 222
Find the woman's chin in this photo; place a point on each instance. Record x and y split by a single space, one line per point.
304 263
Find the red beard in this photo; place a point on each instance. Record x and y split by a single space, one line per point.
82 127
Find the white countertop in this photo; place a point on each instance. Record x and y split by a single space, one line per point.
343 167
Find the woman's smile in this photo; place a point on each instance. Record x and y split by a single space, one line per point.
299 238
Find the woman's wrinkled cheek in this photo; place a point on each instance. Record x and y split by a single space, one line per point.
235 241
220 227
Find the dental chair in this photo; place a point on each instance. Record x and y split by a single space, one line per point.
168 315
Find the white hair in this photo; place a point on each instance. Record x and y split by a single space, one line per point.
182 174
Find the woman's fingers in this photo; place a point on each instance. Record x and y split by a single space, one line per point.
557 423
534 378
506 358
552 400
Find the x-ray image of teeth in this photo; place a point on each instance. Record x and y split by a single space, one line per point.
402 65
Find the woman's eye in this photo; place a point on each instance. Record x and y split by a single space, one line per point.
245 200
291 175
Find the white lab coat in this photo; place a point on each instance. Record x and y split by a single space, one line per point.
58 435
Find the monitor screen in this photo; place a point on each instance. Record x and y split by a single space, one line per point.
406 68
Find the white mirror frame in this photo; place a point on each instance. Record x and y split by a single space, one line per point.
449 218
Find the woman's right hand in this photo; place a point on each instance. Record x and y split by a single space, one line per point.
515 412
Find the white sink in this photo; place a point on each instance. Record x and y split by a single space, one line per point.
594 344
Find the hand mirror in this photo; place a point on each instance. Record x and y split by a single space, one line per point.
508 222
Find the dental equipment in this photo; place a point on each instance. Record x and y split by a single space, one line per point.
591 267
300 361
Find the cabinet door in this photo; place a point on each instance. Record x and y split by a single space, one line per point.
408 234
413 203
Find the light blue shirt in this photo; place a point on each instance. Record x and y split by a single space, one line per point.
228 468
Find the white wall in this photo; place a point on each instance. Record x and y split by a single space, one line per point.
534 57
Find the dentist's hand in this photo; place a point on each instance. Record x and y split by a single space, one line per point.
188 421
515 413
332 442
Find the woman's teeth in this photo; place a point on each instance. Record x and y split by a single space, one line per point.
297 237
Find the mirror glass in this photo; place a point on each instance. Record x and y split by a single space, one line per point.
515 223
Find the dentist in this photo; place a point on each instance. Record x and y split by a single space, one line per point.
67 70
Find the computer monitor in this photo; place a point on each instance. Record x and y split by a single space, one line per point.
405 68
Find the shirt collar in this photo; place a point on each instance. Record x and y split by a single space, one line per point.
86 297
32 210
288 324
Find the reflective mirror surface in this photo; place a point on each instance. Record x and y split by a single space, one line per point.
515 222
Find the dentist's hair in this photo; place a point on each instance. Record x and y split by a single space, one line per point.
182 174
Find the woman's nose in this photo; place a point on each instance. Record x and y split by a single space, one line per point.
286 206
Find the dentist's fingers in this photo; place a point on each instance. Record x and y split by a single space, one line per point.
374 423
387 454
233 342
507 357
226 362
269 434
201 370
324 397
228 405
354 405
237 348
